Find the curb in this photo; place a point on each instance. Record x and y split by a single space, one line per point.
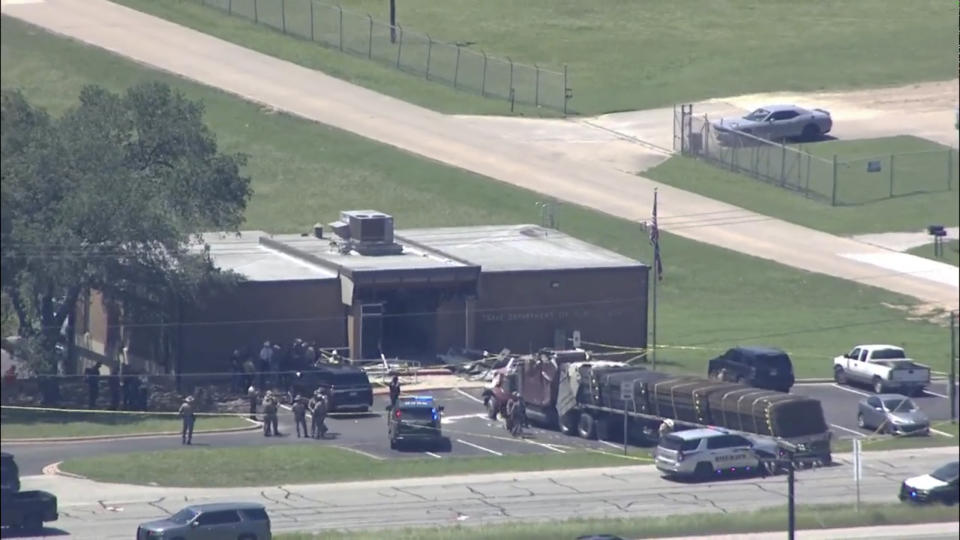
54 470
15 442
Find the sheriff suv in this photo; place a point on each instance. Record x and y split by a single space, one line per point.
416 419
708 452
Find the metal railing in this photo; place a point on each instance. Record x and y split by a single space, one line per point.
454 64
834 179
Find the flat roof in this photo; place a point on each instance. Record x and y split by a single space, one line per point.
504 248
244 254
412 257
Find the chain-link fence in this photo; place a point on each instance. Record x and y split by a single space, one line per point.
416 53
833 179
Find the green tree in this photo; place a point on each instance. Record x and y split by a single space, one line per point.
109 196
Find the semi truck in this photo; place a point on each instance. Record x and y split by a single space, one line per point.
569 391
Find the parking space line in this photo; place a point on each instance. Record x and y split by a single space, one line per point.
478 447
614 445
468 395
925 391
431 454
938 432
857 433
851 390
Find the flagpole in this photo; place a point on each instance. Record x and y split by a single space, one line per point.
653 337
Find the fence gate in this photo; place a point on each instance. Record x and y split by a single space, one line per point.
682 126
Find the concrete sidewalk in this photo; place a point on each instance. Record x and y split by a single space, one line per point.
454 141
922 530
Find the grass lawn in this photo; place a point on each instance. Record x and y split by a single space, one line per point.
22 424
634 55
710 298
299 464
896 443
809 517
903 213
951 252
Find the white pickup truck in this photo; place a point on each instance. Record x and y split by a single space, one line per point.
883 367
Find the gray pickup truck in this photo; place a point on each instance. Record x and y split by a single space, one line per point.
26 510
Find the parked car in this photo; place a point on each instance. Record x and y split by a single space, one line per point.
939 486
708 452
244 521
776 122
892 413
349 386
26 510
883 367
760 367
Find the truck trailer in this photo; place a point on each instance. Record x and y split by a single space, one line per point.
569 391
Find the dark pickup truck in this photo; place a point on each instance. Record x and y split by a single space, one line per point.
27 510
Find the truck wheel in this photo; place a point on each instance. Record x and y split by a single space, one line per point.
393 444
32 523
878 385
587 427
703 471
839 376
569 422
492 409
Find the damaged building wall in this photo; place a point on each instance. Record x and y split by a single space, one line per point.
524 311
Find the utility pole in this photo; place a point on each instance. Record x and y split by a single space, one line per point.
953 366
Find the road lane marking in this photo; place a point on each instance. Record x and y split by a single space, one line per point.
936 394
851 390
857 433
468 395
478 447
452 419
431 454
938 432
614 445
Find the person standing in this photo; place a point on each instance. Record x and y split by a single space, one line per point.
236 372
320 415
300 415
394 387
270 415
666 428
92 377
188 416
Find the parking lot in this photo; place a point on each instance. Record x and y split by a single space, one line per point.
464 422
472 434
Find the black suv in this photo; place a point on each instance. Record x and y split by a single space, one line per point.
416 419
760 367
348 386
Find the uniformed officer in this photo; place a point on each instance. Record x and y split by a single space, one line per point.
187 414
666 428
319 415
300 415
394 387
270 415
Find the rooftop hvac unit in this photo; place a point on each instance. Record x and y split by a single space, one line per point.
369 226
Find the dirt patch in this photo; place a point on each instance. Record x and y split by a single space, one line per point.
931 313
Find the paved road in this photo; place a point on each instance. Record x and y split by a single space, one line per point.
107 511
573 176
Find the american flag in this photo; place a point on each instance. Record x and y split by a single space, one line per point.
655 239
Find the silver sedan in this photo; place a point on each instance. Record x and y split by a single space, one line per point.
892 413
776 122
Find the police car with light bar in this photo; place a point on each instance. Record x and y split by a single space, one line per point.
416 419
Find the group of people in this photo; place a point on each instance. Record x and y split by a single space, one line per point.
317 406
129 389
271 364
